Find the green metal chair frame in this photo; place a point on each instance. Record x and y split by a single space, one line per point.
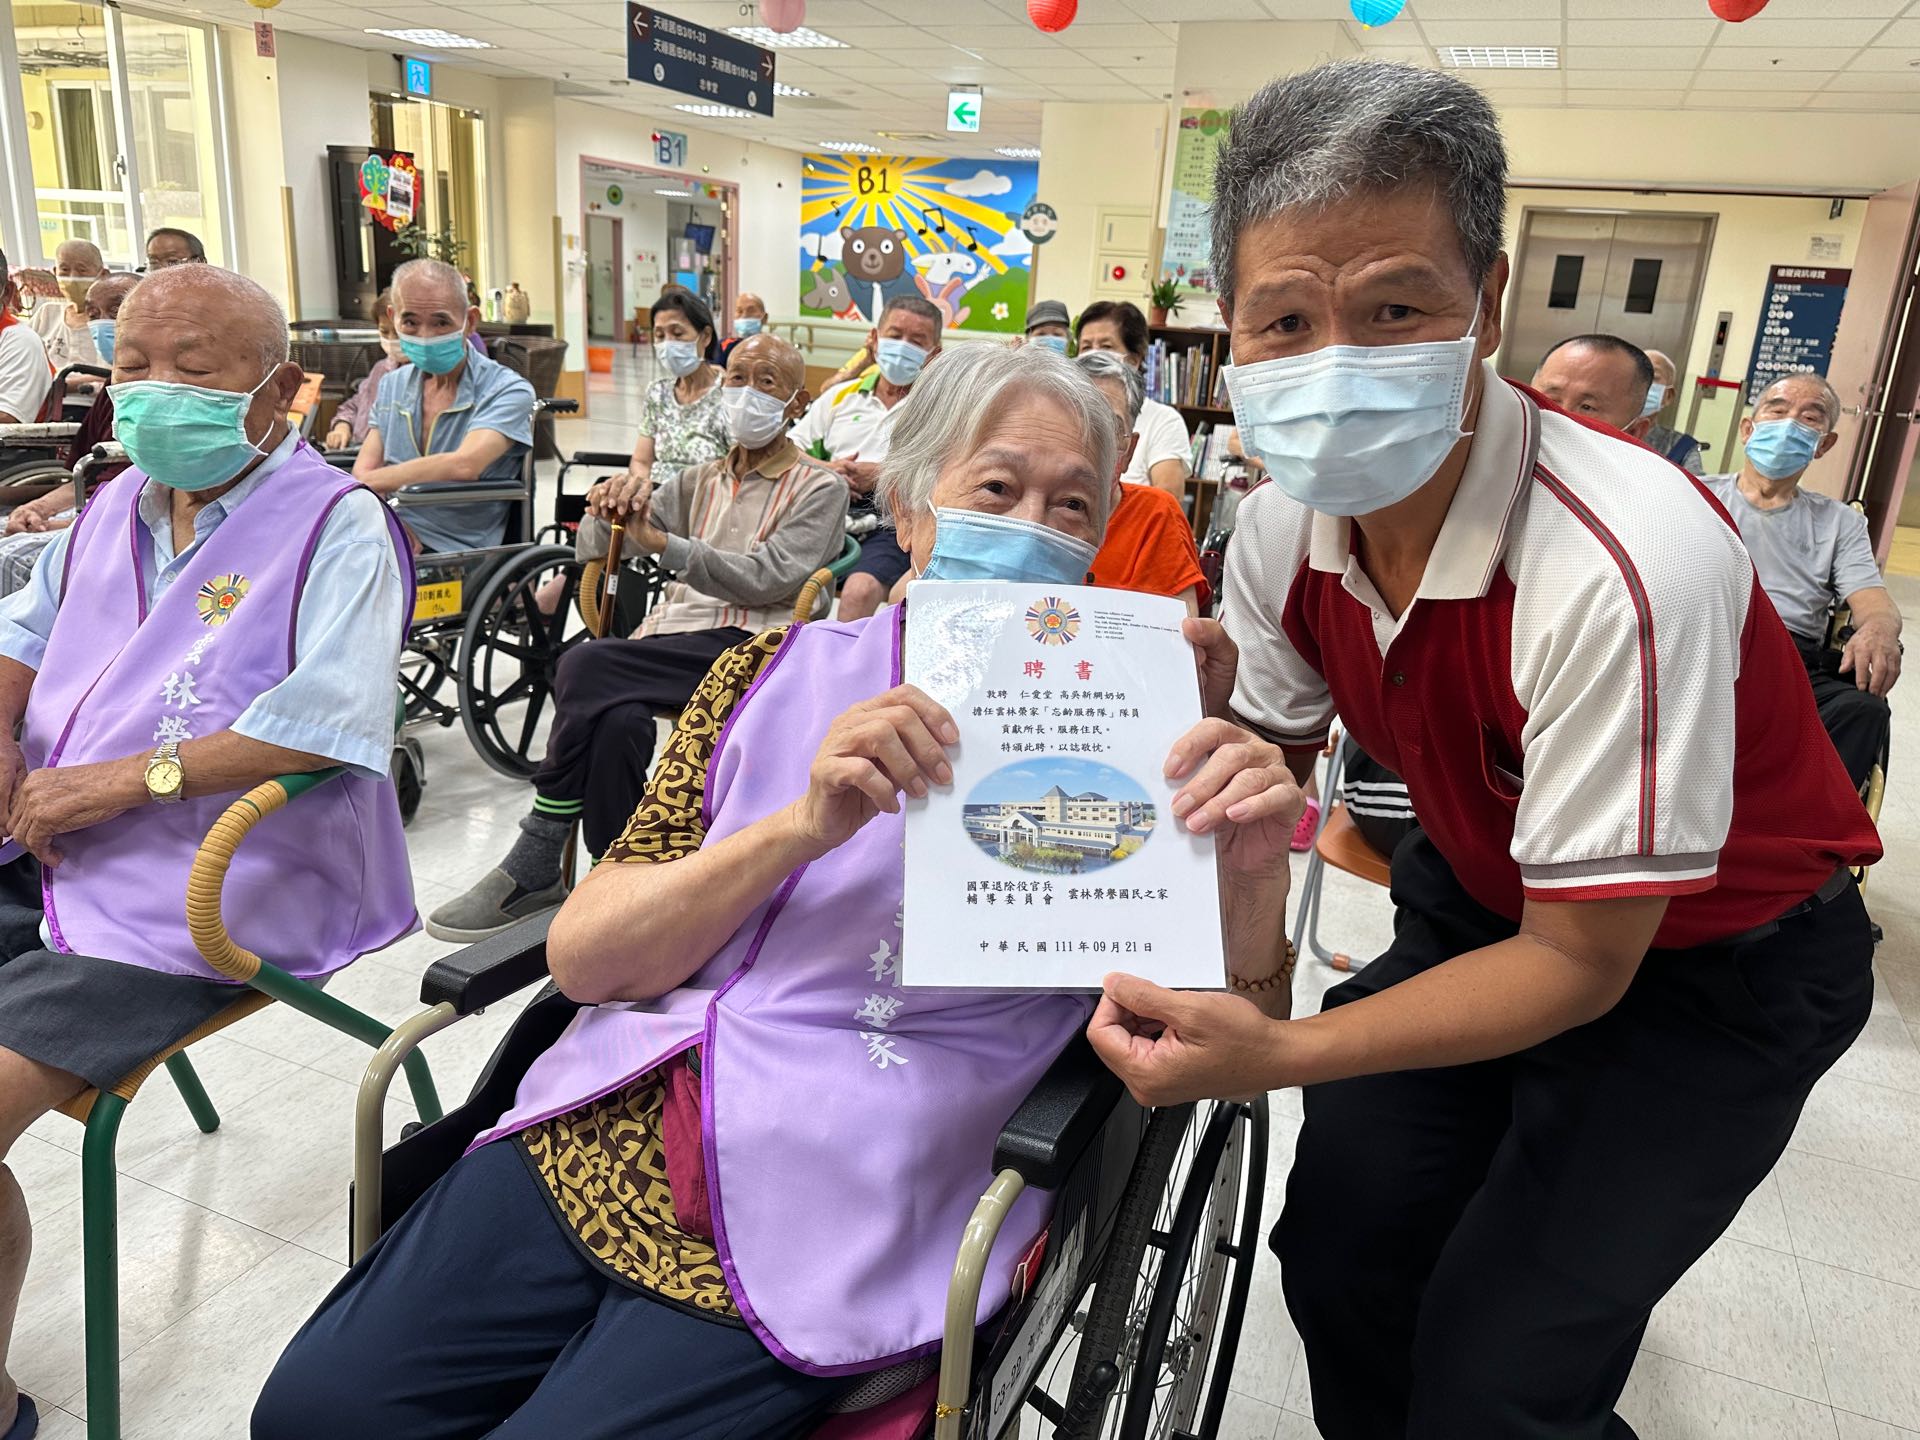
101 1110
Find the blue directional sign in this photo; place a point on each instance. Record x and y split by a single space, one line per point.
419 77
1798 319
709 65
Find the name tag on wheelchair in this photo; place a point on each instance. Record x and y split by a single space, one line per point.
436 600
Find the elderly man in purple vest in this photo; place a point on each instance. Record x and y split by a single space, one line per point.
736 1181
228 610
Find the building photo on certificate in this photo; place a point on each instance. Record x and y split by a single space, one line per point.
1059 815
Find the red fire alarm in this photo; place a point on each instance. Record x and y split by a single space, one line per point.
1119 272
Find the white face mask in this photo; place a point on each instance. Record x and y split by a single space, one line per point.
753 416
1350 429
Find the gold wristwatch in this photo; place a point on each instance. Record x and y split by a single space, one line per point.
166 777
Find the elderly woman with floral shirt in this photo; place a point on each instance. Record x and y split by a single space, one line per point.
736 1181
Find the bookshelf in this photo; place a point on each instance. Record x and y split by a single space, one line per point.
1183 370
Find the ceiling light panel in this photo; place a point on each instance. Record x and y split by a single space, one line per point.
791 92
848 147
801 39
1500 57
435 39
1018 152
715 112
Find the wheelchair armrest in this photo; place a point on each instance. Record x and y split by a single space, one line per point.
600 457
342 459
490 970
465 492
554 405
1059 1118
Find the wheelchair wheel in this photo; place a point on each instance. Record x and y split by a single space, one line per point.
1157 1348
409 771
509 652
1192 1328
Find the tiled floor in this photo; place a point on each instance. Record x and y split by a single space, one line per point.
1802 1324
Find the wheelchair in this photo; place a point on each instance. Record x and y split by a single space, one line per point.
478 629
33 462
1127 1314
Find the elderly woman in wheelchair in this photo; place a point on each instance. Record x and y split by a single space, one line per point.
735 1182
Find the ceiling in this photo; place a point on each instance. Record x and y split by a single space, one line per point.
1857 55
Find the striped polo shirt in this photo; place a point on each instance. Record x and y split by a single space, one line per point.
1590 696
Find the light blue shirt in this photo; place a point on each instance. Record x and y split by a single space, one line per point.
489 397
339 699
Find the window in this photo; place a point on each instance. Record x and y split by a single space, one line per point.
1564 293
88 76
1642 285
449 145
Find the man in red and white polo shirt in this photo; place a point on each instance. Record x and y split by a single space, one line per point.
1627 943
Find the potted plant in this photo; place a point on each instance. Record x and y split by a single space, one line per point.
1164 295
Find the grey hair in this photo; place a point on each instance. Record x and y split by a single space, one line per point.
269 325
1829 396
436 274
81 247
1361 127
1105 367
955 403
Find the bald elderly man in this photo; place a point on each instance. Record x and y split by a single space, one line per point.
742 533
450 417
63 328
1599 377
228 610
1663 404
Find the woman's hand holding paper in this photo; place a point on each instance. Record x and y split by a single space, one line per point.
1218 659
876 750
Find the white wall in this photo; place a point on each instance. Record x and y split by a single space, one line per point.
323 101
253 99
768 223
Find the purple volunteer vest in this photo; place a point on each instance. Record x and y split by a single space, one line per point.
849 1123
315 885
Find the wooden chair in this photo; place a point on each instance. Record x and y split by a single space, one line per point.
100 1111
1337 842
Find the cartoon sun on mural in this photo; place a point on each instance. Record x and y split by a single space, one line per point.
877 226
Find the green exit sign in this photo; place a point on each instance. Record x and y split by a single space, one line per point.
963 111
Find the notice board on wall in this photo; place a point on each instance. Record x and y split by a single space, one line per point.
1798 319
1187 255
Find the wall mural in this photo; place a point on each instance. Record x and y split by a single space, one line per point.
876 226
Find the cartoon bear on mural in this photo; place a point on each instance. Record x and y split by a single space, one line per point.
876 262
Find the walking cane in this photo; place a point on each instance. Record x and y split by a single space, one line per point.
611 589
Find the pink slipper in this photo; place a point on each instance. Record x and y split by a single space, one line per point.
1303 832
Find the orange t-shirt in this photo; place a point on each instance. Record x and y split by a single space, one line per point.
1150 546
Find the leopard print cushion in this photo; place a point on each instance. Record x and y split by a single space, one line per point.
604 1165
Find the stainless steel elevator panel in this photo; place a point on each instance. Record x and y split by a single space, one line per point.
1635 274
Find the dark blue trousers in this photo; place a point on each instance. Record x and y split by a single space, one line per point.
476 1315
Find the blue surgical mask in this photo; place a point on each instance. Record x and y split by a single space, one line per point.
971 545
436 354
1656 397
901 361
187 437
745 325
681 357
102 333
1055 343
1350 429
1781 449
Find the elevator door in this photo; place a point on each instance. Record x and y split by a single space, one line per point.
1635 274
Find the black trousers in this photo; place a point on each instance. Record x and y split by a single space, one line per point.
478 1315
605 696
1506 1228
1858 721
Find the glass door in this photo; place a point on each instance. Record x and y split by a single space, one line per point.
449 145
169 70
72 126
110 126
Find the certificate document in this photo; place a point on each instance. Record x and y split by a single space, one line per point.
1052 859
